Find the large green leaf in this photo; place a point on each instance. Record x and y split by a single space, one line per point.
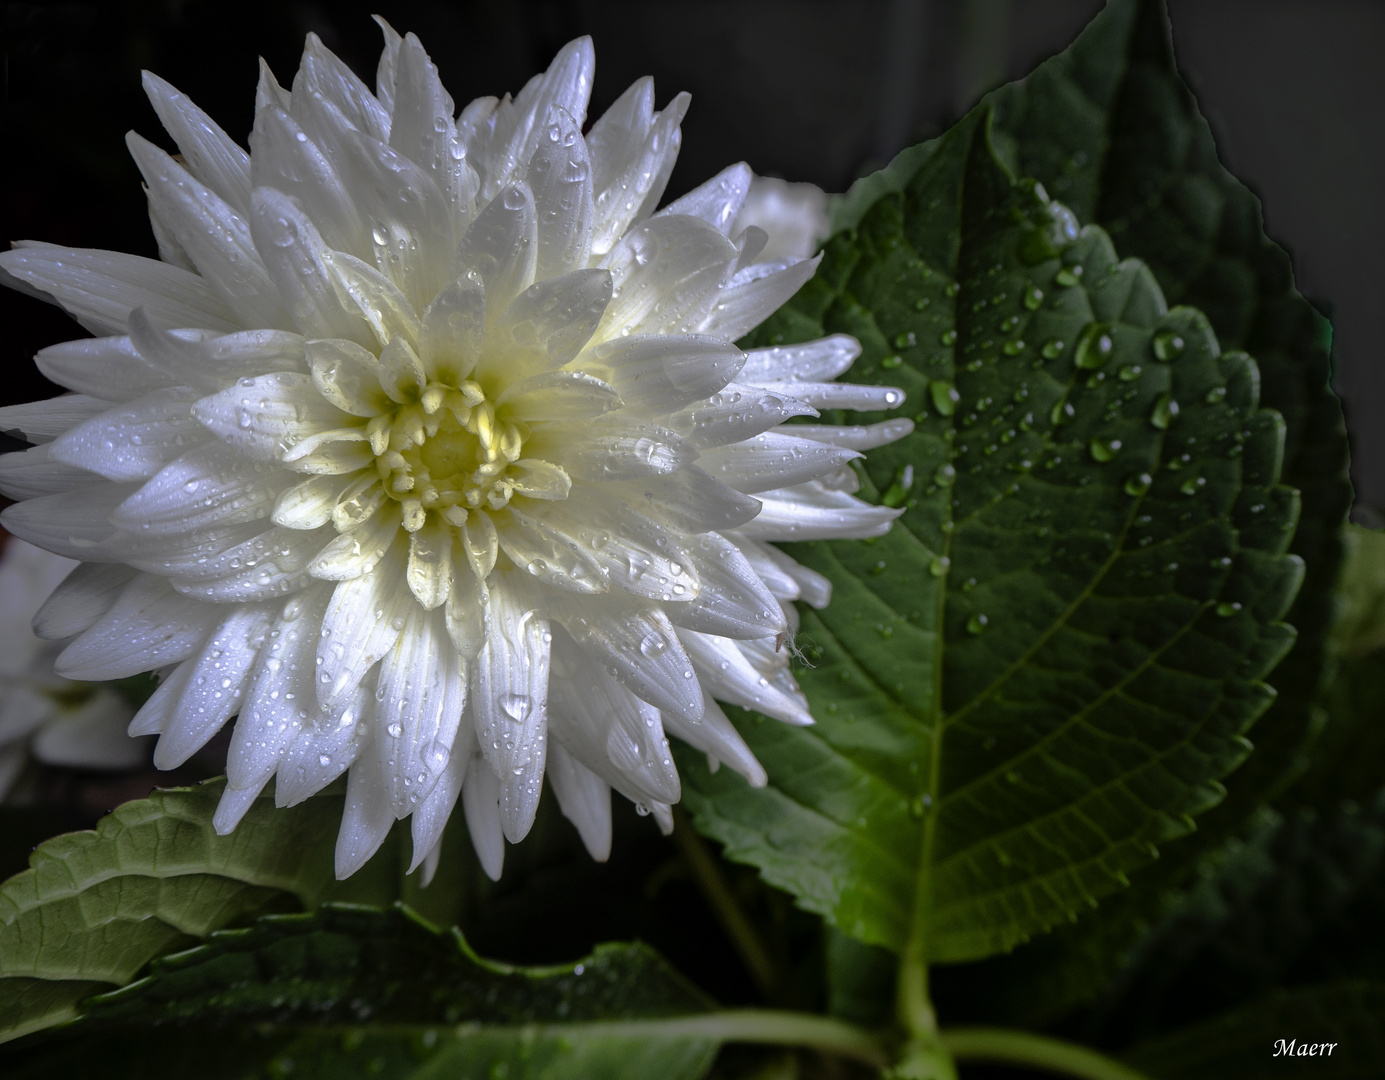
95 907
351 991
1048 664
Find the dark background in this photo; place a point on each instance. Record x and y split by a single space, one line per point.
818 90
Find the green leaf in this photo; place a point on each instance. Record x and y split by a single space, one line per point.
153 877
1047 665
352 991
1242 1043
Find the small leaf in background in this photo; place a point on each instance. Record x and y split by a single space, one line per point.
351 991
154 877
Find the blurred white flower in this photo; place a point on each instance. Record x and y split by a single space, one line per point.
426 450
793 216
56 721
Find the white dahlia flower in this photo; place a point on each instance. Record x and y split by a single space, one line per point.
425 449
54 721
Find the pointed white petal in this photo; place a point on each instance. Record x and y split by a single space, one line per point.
561 179
608 729
716 202
419 705
690 499
322 71
44 421
74 523
265 417
324 750
837 395
211 155
715 735
364 290
136 440
633 155
204 487
858 436
755 294
25 474
813 361
272 564
501 247
454 324
729 676
813 512
209 361
293 249
148 627
553 319
511 702
422 129
548 554
663 373
431 815
667 276
212 234
360 626
732 601
430 563
773 459
365 819
358 550
348 376
481 801
467 607
638 646
386 72
216 685
235 804
308 505
584 798
110 368
559 395
100 288
83 597
736 412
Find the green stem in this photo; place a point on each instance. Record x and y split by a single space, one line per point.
1036 1051
717 890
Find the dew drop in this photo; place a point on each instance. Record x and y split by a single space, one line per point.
939 564
945 397
515 706
1033 297
653 645
977 624
1104 450
948 337
396 729
1168 345
1068 276
1138 484
1226 610
1053 348
1165 409
1094 347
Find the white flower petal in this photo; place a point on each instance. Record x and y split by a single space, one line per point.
25 474
842 395
323 751
813 512
609 729
736 412
716 202
430 564
813 361
856 437
308 505
559 395
74 524
662 373
611 450
467 608
636 645
365 819
266 416
554 319
80 599
422 129
100 288
214 688
733 601
212 234
365 290
560 177
547 553
431 814
209 361
419 705
481 802
292 249
633 152
358 550
204 487
360 626
136 440
692 500
44 421
750 298
511 702
211 155
272 564
387 71
584 798
454 324
667 276
501 247
323 72
714 735
110 368
773 459
149 626
731 677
